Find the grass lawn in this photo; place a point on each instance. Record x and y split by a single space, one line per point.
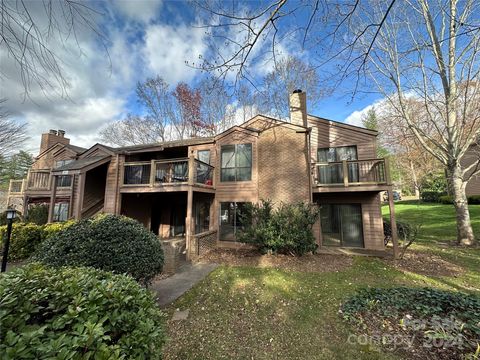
241 312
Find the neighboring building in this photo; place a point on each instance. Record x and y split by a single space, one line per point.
472 158
195 189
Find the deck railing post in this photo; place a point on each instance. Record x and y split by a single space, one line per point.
345 173
387 171
191 170
153 171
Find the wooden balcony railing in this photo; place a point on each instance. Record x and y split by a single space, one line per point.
168 172
38 180
351 172
16 186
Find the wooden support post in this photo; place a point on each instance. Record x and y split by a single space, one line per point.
345 173
191 170
51 209
393 223
77 213
387 172
188 222
152 173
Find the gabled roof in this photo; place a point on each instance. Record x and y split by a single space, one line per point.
83 163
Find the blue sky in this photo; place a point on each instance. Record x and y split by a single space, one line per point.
144 38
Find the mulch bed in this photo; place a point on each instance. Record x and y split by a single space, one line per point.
305 263
425 264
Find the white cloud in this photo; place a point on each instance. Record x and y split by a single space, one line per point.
167 48
139 10
355 118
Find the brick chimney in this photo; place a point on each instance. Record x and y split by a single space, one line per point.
298 108
51 138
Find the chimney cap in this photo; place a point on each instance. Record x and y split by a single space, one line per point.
297 91
61 132
53 132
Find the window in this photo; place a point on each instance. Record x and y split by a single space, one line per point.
60 163
136 174
342 225
230 219
64 181
202 216
204 156
60 212
333 173
236 162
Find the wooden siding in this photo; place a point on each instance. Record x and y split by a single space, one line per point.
371 215
112 188
48 158
329 134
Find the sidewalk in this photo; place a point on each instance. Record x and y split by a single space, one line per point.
170 289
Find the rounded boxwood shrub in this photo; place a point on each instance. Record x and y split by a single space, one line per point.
106 242
77 313
24 240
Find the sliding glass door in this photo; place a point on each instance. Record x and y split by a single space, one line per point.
230 220
342 225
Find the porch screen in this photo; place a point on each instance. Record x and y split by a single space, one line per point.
333 173
230 219
342 225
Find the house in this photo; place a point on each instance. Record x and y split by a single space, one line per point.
191 192
472 158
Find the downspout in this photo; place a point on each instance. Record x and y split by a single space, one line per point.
116 185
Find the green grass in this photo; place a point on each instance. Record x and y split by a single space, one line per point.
262 313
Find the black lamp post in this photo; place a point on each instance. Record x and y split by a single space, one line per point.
11 213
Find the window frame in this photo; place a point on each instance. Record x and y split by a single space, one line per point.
235 168
334 148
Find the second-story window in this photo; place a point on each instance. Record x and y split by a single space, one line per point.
64 181
204 156
333 173
236 162
60 163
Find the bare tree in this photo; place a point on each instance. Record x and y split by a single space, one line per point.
12 133
31 29
288 74
429 51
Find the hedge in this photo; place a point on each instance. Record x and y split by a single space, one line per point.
106 242
448 199
26 237
77 313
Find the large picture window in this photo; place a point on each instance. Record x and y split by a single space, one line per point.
64 181
231 219
333 173
236 162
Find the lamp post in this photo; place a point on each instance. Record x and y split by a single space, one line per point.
11 213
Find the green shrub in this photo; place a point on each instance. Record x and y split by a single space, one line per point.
24 241
448 199
427 305
445 199
37 214
4 221
77 313
474 199
48 230
286 229
106 242
431 196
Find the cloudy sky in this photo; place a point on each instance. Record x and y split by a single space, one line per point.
143 38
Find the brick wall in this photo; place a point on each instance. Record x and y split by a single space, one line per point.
282 166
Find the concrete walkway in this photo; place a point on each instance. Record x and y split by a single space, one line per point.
170 289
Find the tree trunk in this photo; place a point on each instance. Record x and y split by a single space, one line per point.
464 227
414 180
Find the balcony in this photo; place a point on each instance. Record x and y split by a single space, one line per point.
16 187
169 173
38 180
351 173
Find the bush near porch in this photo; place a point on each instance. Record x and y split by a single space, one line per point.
286 229
106 242
77 313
